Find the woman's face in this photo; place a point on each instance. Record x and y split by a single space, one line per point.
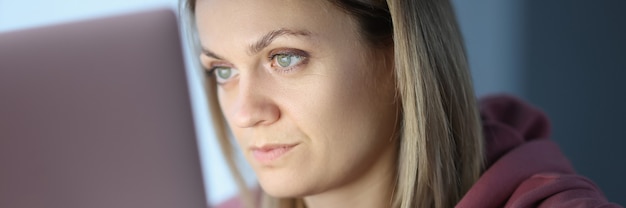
311 106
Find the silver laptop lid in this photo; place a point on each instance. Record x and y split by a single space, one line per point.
97 114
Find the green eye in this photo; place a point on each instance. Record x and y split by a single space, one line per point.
283 60
287 60
223 72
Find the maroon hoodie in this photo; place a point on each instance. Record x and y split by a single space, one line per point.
525 168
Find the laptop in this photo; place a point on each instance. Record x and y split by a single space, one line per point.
97 114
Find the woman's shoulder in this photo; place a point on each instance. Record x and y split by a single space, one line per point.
238 202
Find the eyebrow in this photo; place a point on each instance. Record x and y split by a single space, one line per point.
264 41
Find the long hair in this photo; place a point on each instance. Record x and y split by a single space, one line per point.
441 143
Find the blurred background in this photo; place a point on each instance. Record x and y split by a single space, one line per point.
566 57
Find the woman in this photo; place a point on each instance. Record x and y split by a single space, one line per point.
370 104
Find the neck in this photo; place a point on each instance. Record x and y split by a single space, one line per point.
372 189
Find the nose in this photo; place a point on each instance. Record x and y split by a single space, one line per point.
254 106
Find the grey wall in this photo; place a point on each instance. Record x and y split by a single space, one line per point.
568 58
492 30
576 71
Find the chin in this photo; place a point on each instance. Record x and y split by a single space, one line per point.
281 187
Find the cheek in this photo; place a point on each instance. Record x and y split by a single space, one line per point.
226 101
345 134
320 105
342 112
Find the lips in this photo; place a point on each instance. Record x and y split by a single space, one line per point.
269 153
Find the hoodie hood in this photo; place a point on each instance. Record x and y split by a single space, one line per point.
524 167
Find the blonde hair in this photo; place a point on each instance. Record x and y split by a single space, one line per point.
441 143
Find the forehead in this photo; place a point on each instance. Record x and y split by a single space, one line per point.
265 8
244 20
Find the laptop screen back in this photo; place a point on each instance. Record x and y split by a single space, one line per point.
97 114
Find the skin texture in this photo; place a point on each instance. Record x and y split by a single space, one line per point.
335 102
